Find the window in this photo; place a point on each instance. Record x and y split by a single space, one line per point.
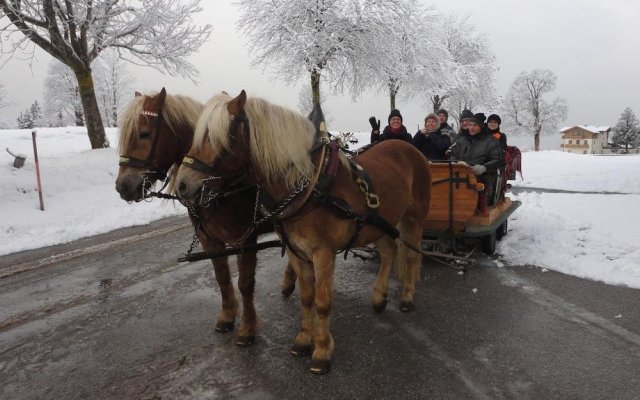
569 141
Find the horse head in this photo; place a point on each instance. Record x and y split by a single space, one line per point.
219 156
155 133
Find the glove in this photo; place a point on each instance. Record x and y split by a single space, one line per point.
478 169
374 125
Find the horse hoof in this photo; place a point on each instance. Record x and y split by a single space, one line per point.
406 306
224 327
286 291
379 308
299 350
320 367
245 341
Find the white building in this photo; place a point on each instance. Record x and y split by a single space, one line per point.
585 139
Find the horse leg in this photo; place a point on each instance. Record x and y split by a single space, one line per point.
246 283
227 315
323 265
302 344
387 249
288 280
408 261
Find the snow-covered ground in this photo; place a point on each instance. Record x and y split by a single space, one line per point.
592 235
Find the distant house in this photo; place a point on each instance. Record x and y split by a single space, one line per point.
585 139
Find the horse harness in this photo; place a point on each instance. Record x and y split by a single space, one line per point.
328 160
148 162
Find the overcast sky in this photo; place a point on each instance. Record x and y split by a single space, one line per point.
591 45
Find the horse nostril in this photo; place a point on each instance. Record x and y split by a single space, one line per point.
182 189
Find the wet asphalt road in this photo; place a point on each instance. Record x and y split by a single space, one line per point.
126 321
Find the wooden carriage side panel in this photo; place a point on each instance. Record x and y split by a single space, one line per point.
464 187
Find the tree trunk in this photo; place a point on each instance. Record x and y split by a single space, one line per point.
437 101
95 128
536 139
392 100
315 88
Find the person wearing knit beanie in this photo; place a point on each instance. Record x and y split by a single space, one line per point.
431 141
445 128
394 113
493 125
395 129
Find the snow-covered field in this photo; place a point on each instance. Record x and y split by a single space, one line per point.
593 236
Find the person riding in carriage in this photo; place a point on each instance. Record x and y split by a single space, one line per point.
395 129
482 152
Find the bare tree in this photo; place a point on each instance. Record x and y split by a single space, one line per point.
525 108
156 33
114 85
62 96
315 38
626 133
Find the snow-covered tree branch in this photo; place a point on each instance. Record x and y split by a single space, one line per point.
157 33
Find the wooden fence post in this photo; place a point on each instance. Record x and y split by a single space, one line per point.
35 155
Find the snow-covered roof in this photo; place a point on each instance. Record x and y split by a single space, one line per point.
590 128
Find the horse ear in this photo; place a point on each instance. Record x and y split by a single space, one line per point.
236 105
138 94
161 96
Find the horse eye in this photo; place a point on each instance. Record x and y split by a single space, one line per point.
145 135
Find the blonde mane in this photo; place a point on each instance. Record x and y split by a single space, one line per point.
280 139
177 111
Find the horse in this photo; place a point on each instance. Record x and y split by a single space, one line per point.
156 132
278 147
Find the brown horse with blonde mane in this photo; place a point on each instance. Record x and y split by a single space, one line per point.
279 148
156 131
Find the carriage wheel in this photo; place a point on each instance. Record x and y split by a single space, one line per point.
489 243
502 230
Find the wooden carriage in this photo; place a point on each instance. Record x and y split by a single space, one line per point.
453 209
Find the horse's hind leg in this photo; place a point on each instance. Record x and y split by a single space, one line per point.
387 249
227 315
288 280
246 283
408 260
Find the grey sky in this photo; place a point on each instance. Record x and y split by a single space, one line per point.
591 45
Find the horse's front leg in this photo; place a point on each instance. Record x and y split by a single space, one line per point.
246 283
288 280
227 315
323 265
303 344
387 249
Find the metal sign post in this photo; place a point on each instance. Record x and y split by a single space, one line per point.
35 155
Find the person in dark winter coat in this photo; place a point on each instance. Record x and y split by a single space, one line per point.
431 141
477 148
464 119
493 125
482 152
445 128
395 129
